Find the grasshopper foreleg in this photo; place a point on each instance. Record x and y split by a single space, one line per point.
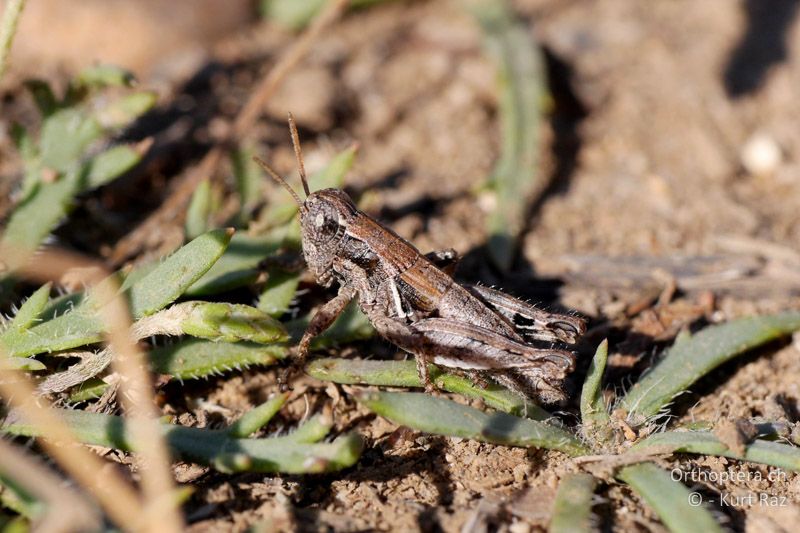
321 321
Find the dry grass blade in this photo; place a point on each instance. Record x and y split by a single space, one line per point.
173 206
137 390
116 496
8 27
66 509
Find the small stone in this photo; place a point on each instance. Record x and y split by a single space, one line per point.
761 155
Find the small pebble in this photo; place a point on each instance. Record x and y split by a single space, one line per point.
761 155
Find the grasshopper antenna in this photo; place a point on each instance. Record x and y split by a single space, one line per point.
279 179
298 154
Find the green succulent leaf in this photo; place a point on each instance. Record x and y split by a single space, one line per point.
404 374
232 322
249 182
88 390
98 76
670 499
198 358
74 329
706 443
37 215
572 510
439 416
123 111
522 87
278 292
238 266
110 164
65 136
199 210
170 279
215 448
593 406
258 417
692 357
31 309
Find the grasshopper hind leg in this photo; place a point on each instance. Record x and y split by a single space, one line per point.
528 320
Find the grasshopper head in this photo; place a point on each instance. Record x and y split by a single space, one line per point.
324 215
324 218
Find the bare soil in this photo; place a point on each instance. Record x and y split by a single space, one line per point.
658 218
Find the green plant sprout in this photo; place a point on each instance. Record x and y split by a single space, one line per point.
227 450
67 158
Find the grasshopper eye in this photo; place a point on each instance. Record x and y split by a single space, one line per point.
323 223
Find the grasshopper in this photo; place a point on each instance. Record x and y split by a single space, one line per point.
413 302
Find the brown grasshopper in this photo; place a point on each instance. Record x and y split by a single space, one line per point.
416 305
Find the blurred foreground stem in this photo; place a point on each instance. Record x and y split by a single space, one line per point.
8 28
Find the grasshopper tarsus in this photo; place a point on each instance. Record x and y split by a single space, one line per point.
413 301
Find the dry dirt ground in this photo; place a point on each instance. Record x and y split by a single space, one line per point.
674 160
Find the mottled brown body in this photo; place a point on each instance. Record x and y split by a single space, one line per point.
420 308
413 303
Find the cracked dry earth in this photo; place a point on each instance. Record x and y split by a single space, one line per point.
655 220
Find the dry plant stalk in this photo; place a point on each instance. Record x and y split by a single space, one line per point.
67 510
173 206
115 494
137 396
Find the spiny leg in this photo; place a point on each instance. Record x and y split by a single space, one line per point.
544 325
526 370
321 321
404 336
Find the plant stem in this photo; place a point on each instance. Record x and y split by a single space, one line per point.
8 27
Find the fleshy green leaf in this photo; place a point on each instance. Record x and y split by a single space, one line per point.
199 210
572 510
404 374
31 309
278 292
670 499
74 329
593 406
196 358
256 418
249 182
98 76
522 85
706 443
24 364
693 357
65 136
228 322
110 164
439 416
123 111
37 216
88 390
238 266
169 280
211 447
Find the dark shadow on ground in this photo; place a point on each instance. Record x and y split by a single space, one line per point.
762 46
